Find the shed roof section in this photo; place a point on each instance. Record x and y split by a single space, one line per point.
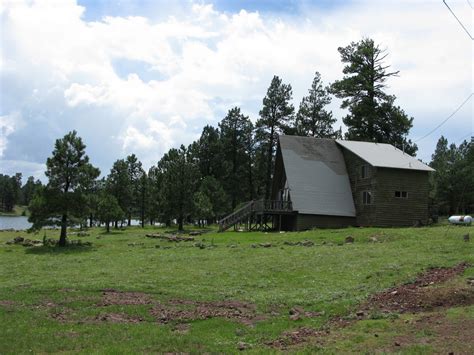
383 155
317 176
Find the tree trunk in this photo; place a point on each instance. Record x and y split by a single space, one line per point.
108 226
180 223
90 220
129 222
116 224
62 237
269 165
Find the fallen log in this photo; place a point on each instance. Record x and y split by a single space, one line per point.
171 238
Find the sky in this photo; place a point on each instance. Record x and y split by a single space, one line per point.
146 76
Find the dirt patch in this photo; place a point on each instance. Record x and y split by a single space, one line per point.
7 304
186 310
118 318
113 297
429 291
423 294
442 334
295 337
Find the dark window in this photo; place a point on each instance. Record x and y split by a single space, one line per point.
364 171
366 197
401 194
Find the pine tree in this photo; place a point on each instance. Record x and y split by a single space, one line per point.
276 117
372 114
313 119
179 183
235 134
69 173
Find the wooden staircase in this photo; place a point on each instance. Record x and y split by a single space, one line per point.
253 208
236 217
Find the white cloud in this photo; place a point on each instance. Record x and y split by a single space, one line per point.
8 124
201 62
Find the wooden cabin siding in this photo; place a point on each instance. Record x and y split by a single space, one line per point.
395 211
309 221
366 214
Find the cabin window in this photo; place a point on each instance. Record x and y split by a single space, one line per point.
366 197
364 171
401 194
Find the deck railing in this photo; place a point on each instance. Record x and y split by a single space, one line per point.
258 206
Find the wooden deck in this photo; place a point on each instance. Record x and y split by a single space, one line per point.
255 214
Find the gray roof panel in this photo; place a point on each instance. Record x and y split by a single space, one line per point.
383 155
317 176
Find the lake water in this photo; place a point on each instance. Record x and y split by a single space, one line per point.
20 222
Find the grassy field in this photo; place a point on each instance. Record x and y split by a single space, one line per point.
224 292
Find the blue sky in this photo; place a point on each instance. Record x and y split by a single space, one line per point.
144 76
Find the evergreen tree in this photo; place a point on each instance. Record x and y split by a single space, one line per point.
10 188
218 199
313 119
135 180
207 152
118 184
276 117
28 190
235 134
109 210
69 173
179 179
372 114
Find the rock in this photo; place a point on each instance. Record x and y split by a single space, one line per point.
254 245
349 239
295 317
373 239
200 245
360 313
195 233
265 245
466 237
296 310
397 343
242 346
27 243
18 240
171 238
306 243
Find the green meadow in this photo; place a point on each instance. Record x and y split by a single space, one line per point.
125 293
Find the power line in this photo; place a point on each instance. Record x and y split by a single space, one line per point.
446 119
470 4
465 29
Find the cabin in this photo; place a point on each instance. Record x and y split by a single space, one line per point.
336 183
327 183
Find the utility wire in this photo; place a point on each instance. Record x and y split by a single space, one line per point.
446 119
465 29
470 4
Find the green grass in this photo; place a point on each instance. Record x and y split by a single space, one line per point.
330 277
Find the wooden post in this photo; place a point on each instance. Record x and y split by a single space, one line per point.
279 223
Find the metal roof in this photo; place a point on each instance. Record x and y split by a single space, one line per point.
383 155
317 177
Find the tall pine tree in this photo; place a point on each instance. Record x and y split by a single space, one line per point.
313 119
235 133
372 113
276 117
